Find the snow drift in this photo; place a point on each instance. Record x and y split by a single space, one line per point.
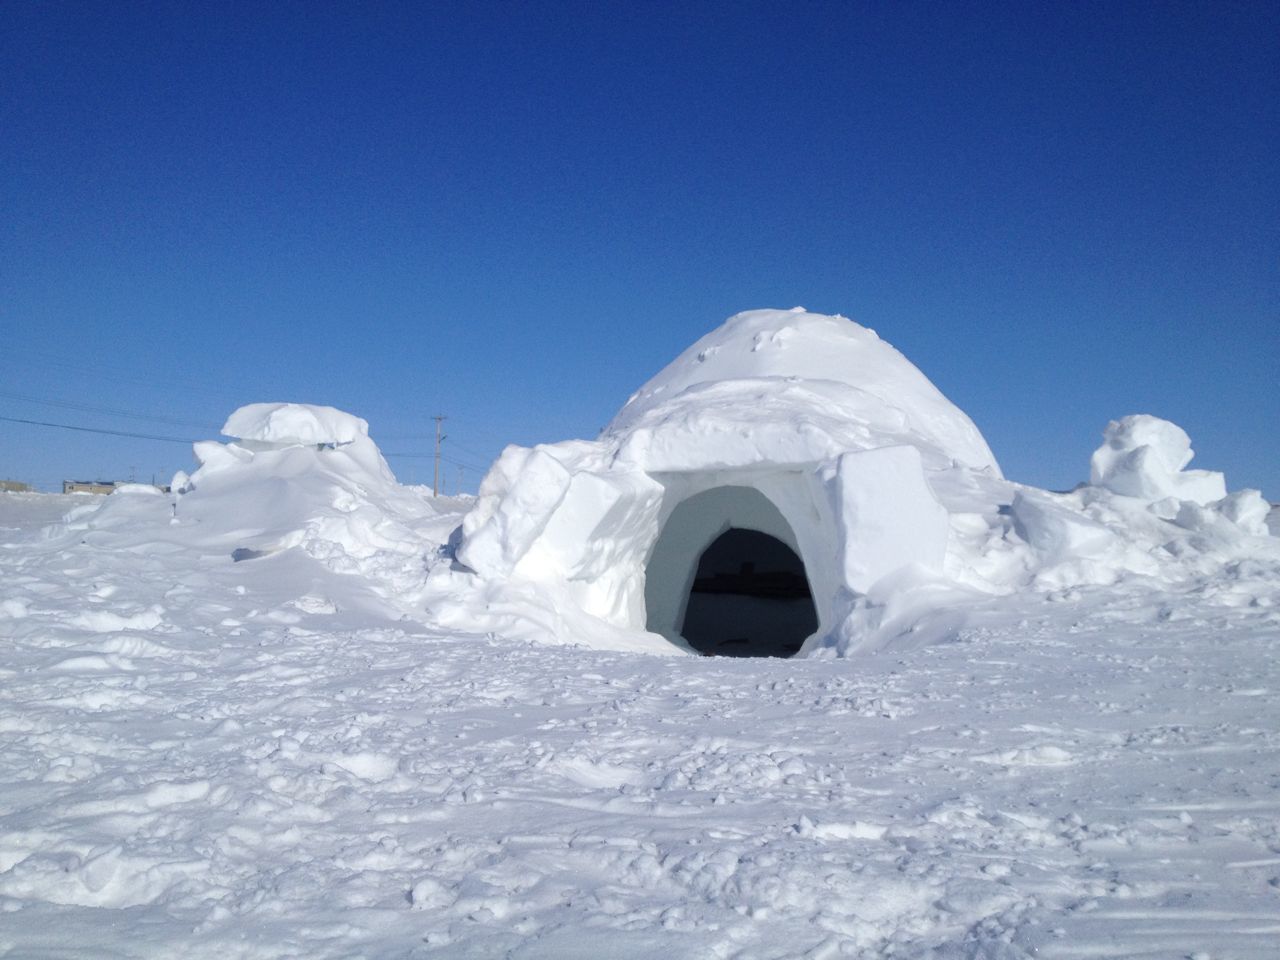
294 477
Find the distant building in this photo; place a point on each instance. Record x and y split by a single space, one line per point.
14 486
90 486
104 486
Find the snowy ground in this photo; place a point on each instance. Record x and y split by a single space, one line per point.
204 758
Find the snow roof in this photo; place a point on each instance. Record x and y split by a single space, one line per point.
789 386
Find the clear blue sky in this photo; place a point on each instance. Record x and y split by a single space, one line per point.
515 213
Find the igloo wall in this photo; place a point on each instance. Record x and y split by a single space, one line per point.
804 427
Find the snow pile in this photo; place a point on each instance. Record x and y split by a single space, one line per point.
310 477
1142 514
296 476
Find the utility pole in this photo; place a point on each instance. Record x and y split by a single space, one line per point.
440 438
459 487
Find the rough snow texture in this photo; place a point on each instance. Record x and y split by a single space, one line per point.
210 758
270 716
283 487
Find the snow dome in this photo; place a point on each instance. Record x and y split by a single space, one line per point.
744 500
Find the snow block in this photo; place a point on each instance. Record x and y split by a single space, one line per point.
1247 510
1056 532
1144 457
600 523
887 515
511 515
291 424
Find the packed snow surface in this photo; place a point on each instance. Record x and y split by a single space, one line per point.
265 758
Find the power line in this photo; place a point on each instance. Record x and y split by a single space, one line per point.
111 433
152 436
91 408
420 436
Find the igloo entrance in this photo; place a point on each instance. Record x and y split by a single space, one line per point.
750 598
725 578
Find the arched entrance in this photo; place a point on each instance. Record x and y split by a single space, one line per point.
725 577
750 598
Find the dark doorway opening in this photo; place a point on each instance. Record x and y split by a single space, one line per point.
750 598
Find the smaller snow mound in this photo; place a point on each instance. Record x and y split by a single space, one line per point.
1144 457
1143 516
293 424
308 477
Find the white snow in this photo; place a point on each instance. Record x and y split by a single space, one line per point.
297 709
816 414
247 771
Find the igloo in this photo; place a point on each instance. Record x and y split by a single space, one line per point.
744 499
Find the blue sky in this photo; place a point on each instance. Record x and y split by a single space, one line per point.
514 214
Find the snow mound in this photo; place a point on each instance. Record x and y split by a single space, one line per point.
1142 520
300 478
292 424
308 477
